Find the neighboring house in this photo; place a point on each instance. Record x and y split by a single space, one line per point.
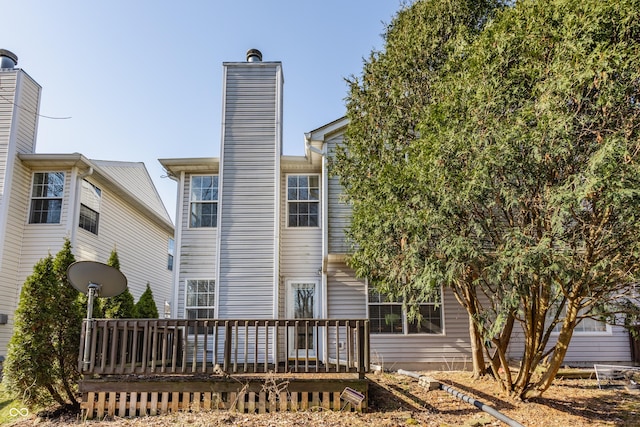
260 235
45 198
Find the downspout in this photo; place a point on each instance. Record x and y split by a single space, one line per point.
325 228
76 204
177 246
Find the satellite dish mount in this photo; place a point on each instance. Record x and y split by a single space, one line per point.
94 279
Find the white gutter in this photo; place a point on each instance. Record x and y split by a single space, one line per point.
75 219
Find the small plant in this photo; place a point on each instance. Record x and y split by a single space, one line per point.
146 307
274 388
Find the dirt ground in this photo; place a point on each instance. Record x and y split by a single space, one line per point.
396 400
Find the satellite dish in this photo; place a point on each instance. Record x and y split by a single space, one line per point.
93 278
109 280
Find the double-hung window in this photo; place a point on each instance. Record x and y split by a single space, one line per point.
200 302
387 316
204 201
303 200
89 207
46 198
201 299
170 250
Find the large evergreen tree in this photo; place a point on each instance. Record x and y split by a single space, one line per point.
516 184
68 324
536 136
385 106
42 358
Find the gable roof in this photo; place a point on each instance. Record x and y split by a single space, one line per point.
135 177
129 180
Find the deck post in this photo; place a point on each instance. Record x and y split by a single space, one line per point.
227 346
362 369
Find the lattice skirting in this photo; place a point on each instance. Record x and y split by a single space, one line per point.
131 398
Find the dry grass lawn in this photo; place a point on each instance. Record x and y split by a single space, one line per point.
397 400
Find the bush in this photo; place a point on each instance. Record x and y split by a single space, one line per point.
146 306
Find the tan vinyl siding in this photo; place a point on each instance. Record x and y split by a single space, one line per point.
28 101
18 89
39 239
250 149
138 181
141 245
10 273
6 119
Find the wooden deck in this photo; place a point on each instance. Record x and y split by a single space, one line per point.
136 367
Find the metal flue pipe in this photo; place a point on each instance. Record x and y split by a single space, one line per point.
486 408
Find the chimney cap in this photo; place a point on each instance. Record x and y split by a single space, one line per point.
8 54
254 55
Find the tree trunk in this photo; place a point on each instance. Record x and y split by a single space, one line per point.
467 298
477 354
560 351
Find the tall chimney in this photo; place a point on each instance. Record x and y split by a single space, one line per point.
8 59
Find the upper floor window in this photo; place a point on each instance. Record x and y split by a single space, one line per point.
389 317
89 207
204 201
303 200
46 198
170 250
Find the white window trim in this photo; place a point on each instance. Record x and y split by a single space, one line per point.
286 201
31 198
216 201
288 296
214 307
608 331
405 320
86 206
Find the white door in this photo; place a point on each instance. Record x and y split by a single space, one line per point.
303 300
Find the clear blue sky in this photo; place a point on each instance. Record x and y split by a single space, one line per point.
142 79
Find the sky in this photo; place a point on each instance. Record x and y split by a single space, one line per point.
141 80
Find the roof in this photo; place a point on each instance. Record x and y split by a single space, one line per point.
129 180
191 164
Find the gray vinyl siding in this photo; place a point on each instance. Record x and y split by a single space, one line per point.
453 348
612 347
197 250
339 211
248 189
300 250
347 299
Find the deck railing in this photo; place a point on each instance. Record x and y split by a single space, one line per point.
180 346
